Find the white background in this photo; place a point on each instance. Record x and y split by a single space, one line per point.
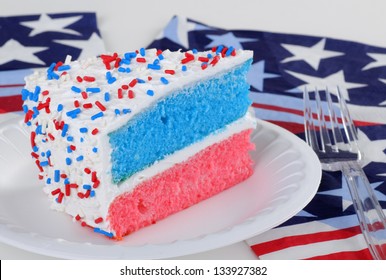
127 25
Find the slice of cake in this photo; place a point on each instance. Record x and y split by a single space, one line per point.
122 141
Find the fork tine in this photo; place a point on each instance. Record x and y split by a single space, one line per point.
310 133
324 135
348 124
335 131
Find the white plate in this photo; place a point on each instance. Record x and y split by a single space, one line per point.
286 178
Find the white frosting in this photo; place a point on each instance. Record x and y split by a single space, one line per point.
62 94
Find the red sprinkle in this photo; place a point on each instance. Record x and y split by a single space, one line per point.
204 66
60 197
76 103
79 79
72 147
77 217
56 191
133 83
89 79
120 93
99 220
203 59
96 184
131 94
51 136
46 92
33 135
87 105
169 71
141 59
100 106
80 195
38 165
215 60
58 64
94 176
63 176
87 170
149 78
94 131
84 95
159 52
125 87
35 155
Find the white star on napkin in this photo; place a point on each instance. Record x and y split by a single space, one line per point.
311 55
47 24
13 50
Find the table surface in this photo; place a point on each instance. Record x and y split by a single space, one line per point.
126 26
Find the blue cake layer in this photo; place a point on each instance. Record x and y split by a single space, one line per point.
181 119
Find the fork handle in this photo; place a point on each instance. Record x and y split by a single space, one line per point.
371 217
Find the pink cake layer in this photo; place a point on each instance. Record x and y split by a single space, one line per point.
212 170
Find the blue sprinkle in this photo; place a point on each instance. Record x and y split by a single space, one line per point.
24 94
130 55
66 181
108 75
150 92
87 187
229 51
83 129
76 89
35 149
69 150
51 68
194 51
219 49
48 153
64 130
70 138
44 163
161 57
96 116
154 66
101 231
121 69
95 149
44 140
68 161
43 154
38 129
117 112
140 81
126 111
164 80
28 123
60 107
79 158
56 175
209 55
64 67
156 61
74 113
107 96
48 181
81 139
142 51
184 68
92 193
93 90
125 61
111 80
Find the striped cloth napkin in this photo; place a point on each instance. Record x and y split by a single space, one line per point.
327 228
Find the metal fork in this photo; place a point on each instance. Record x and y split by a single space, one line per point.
337 149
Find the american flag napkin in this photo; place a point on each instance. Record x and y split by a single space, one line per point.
32 41
327 228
